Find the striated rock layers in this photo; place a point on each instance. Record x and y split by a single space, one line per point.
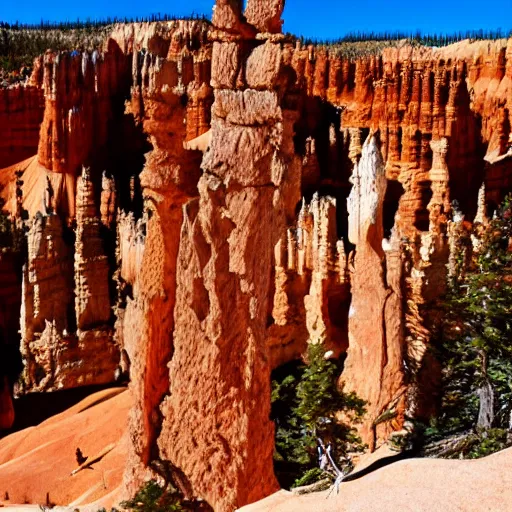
21 113
206 200
82 91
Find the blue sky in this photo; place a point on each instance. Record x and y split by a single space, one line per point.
311 18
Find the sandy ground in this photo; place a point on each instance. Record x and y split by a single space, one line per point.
37 461
34 186
413 485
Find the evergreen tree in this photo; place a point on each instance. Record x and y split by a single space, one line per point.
306 403
154 498
476 348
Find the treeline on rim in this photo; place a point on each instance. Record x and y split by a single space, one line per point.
413 37
20 43
96 23
18 48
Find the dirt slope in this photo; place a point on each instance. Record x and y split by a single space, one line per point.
39 460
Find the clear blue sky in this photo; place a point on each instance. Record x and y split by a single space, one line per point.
311 18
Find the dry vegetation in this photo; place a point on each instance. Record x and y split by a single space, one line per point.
20 44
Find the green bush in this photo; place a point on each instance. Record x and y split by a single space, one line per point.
475 348
154 498
310 477
305 403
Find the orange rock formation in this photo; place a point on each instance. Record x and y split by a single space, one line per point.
21 113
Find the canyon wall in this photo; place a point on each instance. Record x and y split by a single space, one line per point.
21 113
10 362
206 200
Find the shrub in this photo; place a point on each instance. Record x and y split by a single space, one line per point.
310 477
154 498
475 347
306 403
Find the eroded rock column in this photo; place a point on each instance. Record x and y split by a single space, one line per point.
161 92
216 426
92 300
373 369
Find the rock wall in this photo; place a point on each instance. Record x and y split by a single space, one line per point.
168 88
10 303
66 340
443 126
21 113
66 328
92 294
224 278
82 91
311 286
375 331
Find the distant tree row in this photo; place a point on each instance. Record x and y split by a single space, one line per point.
20 43
415 37
90 24
18 48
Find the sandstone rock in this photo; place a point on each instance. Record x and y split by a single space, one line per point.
222 275
247 108
224 153
55 355
108 201
262 68
47 288
375 341
310 283
227 15
222 300
265 15
310 165
92 294
226 62
200 98
148 247
79 95
21 113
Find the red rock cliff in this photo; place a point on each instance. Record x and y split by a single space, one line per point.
21 113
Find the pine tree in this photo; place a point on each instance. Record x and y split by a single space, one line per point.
305 404
476 348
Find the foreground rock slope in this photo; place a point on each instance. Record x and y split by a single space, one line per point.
36 462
